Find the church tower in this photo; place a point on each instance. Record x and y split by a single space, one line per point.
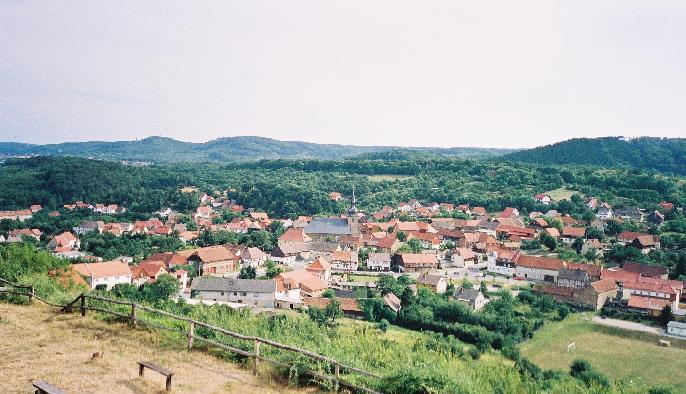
352 211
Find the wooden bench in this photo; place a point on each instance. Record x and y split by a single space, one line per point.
43 387
164 371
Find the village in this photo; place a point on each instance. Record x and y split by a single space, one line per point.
317 258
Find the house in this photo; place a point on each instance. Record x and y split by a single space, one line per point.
570 234
573 278
344 260
604 211
291 252
553 232
543 198
309 285
592 203
331 229
294 235
434 282
21 215
648 305
63 242
666 206
417 262
472 297
252 292
392 301
253 257
677 329
214 260
321 269
646 270
594 246
478 211
656 218
428 240
594 271
107 274
349 306
538 268
509 212
646 243
203 212
89 225
379 262
629 213
463 257
17 235
147 272
593 296
502 261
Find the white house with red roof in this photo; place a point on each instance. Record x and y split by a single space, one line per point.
107 273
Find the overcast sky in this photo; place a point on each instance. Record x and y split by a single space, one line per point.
422 73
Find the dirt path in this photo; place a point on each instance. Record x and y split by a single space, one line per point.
628 325
36 343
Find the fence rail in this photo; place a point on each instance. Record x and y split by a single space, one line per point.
81 302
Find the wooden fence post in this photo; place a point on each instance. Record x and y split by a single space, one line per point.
256 361
83 305
337 369
132 320
191 332
31 289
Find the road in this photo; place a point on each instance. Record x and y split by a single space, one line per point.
628 325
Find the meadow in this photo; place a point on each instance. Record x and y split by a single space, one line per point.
629 357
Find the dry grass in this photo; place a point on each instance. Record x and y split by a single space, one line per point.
40 344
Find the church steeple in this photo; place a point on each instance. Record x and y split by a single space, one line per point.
353 209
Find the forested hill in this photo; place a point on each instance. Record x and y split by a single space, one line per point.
230 149
648 153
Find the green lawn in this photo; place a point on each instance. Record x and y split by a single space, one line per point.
561 193
362 278
380 178
621 355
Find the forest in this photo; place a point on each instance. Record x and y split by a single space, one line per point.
288 188
657 154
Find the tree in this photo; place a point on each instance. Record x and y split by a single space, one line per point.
401 235
383 325
329 293
578 244
548 241
484 289
247 273
272 269
467 284
667 315
163 288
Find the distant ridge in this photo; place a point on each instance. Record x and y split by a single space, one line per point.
228 149
648 153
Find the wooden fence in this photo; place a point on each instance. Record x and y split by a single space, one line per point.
81 303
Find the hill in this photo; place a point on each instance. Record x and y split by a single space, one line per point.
229 149
648 153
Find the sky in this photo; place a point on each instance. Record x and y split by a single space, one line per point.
411 73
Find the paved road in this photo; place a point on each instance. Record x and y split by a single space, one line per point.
628 325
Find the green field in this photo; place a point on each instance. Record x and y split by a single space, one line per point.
362 278
561 193
622 355
380 178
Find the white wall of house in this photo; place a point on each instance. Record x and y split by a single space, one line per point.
536 273
379 266
109 281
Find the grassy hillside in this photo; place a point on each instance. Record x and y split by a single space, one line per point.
230 149
659 154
